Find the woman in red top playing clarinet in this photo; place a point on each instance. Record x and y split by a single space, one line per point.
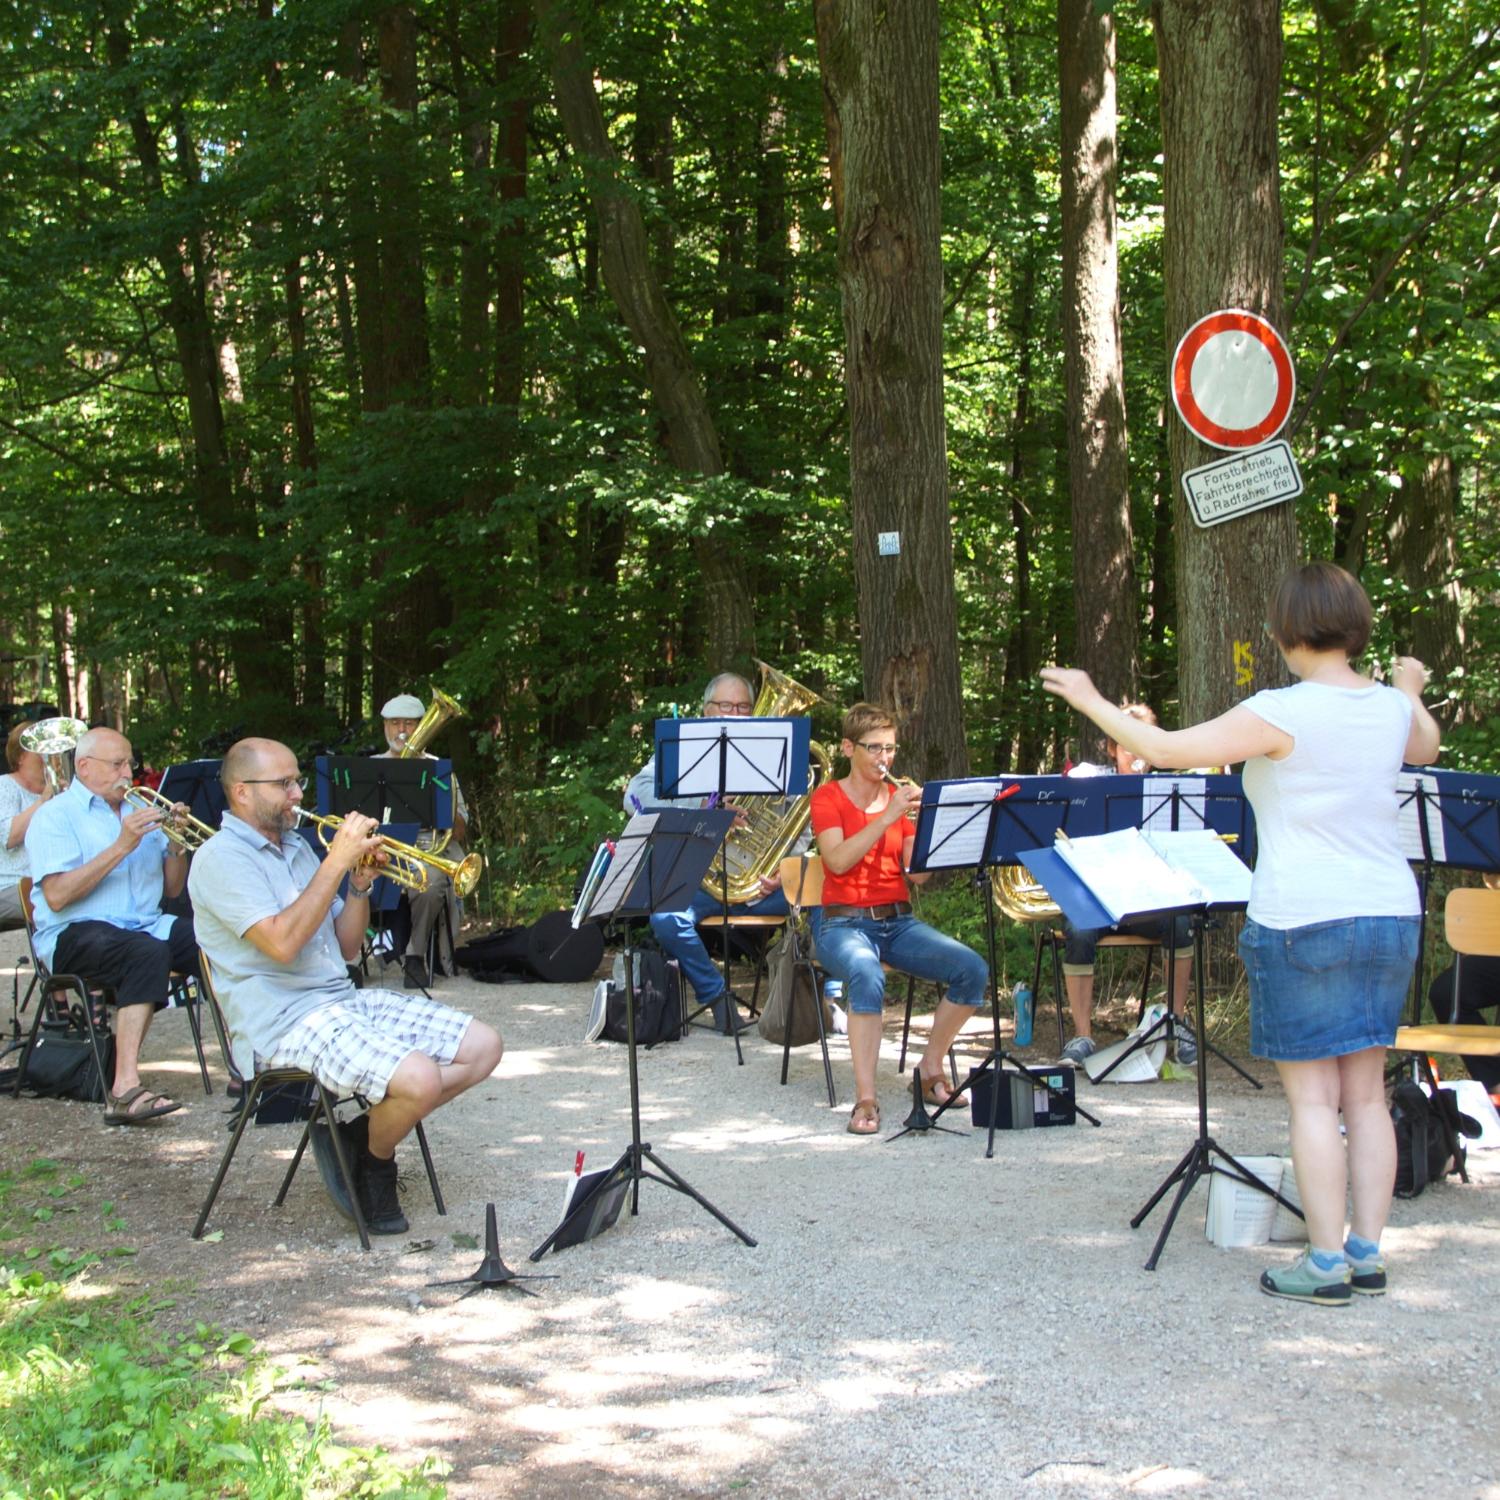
865 838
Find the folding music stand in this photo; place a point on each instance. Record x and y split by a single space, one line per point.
196 783
1174 802
965 826
1077 899
659 860
731 757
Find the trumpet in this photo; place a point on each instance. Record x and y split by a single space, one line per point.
179 825
406 864
895 781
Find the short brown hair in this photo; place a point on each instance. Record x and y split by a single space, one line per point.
13 750
1322 607
864 717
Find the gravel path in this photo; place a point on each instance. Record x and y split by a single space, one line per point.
913 1318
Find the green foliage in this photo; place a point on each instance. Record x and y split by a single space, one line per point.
96 1405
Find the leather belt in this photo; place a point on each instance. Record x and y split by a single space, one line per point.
871 913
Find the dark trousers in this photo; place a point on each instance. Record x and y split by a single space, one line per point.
135 965
1480 992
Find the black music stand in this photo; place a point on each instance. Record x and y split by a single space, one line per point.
1216 802
659 859
730 757
196 783
964 830
1446 818
1205 1156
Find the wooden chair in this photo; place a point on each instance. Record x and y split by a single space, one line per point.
1471 925
323 1107
802 880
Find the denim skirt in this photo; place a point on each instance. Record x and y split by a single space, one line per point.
1329 988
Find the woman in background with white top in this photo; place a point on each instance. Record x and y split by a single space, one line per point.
21 793
1330 937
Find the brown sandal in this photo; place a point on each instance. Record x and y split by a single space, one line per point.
864 1118
930 1088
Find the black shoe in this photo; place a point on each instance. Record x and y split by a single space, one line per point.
726 1016
377 1196
417 977
328 1168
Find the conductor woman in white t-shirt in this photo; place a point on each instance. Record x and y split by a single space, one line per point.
1330 937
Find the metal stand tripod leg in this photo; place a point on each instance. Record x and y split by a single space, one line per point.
1199 1160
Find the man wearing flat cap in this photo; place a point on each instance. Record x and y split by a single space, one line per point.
436 908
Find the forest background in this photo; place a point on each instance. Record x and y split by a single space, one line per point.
349 347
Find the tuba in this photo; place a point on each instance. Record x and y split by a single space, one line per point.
439 711
1020 897
53 740
775 823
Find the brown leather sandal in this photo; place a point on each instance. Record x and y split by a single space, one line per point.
864 1118
930 1088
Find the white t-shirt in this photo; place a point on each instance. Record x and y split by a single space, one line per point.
1326 816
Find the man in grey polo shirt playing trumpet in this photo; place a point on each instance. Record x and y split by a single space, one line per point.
270 918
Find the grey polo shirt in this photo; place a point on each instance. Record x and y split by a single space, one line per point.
238 878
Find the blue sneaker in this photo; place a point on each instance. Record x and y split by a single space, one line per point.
1302 1281
1187 1043
1367 1274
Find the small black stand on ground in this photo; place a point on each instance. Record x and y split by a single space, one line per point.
919 1121
1200 1158
643 879
492 1272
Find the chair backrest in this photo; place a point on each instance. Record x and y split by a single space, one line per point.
215 1010
802 880
1471 921
28 912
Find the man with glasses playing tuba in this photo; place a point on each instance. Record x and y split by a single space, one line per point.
434 909
99 874
727 696
279 936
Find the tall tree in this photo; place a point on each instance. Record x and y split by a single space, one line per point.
880 76
1220 67
1104 590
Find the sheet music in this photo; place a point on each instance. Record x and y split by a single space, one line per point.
630 849
1409 816
757 760
1127 875
958 825
1156 802
1200 853
600 862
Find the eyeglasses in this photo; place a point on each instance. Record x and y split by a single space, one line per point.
286 783
871 748
728 705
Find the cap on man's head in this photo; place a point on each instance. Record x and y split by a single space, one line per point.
403 706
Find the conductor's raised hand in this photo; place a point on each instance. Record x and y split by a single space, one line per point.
1409 676
1074 687
357 840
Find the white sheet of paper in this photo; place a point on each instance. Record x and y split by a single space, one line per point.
1156 802
1410 817
1127 875
630 850
1207 859
958 826
755 762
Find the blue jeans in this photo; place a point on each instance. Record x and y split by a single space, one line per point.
853 949
677 932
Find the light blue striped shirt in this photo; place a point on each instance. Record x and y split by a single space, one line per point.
68 832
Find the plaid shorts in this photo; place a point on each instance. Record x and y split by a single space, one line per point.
354 1045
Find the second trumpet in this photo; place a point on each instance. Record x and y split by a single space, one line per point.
406 864
179 825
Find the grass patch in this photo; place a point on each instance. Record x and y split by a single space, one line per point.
96 1404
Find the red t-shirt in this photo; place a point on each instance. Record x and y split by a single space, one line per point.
877 878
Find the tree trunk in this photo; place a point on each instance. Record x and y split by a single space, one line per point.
880 73
692 441
1220 72
1425 555
1104 587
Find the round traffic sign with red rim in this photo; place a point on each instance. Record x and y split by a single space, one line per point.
1232 379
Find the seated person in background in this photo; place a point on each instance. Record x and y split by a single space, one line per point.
727 695
865 839
437 907
22 791
1078 951
271 921
1480 992
100 874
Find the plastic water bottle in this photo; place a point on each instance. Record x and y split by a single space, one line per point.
1023 1015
